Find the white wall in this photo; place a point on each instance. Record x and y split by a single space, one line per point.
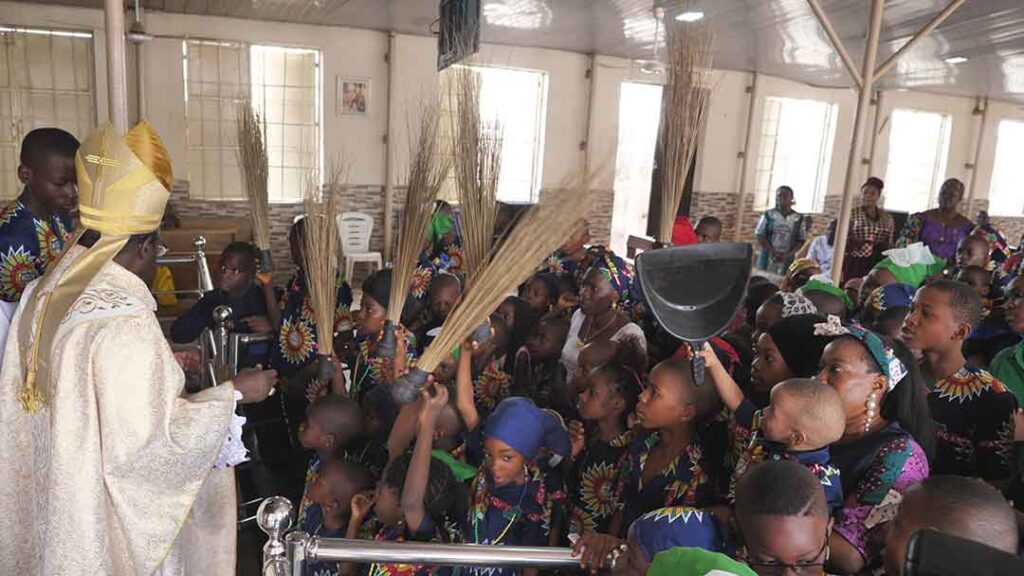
361 54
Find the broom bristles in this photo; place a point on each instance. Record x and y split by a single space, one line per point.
542 229
476 162
252 158
426 176
685 110
320 257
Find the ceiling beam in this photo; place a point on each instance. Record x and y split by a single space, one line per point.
931 25
837 42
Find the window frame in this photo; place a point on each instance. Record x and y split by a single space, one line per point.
539 140
247 79
22 123
939 167
768 150
995 166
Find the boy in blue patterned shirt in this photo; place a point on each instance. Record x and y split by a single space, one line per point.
34 228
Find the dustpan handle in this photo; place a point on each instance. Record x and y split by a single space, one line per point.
698 362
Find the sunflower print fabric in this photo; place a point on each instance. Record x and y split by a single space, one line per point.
684 482
974 425
28 246
595 487
491 387
429 531
370 369
296 344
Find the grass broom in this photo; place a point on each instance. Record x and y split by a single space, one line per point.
426 176
684 111
252 158
476 164
320 250
538 232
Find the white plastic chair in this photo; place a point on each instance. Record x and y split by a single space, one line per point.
355 229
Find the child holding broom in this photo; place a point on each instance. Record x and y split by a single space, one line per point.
370 367
295 350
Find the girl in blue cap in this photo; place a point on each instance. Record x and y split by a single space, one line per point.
513 499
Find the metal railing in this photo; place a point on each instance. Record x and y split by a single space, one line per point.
204 281
289 554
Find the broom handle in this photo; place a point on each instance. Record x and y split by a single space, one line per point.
266 262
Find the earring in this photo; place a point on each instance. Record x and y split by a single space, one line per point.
872 406
615 305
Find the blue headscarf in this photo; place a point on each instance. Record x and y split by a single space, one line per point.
519 423
891 296
677 526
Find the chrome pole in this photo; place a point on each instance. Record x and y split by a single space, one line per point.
366 551
274 517
296 544
205 282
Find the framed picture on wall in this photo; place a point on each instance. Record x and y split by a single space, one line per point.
353 96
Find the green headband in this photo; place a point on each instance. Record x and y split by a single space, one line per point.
819 286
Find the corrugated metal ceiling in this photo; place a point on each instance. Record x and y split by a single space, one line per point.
779 37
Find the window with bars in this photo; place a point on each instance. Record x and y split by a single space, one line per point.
796 151
1006 196
918 149
284 86
515 100
46 80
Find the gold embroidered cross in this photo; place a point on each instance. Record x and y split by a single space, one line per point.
102 161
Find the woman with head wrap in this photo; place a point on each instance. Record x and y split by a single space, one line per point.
940 229
513 495
653 533
607 290
369 368
888 436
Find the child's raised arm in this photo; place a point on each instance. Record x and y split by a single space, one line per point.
464 389
404 429
727 388
418 476
361 506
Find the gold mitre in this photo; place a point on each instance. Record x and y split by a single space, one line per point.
123 182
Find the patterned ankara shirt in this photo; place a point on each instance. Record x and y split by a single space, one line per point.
28 246
974 424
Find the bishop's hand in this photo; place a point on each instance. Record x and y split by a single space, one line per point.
255 384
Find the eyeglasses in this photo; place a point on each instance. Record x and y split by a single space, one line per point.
802 569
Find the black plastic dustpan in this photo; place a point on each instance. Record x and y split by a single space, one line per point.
694 291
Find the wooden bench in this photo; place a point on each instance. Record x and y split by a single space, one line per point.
218 233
